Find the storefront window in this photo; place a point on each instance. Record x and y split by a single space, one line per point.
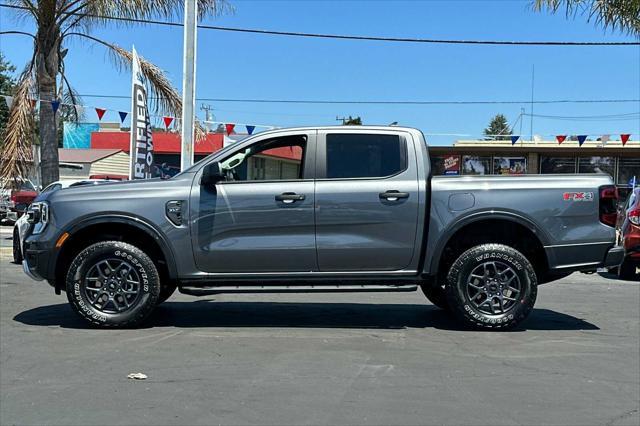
472 165
445 165
627 169
509 165
597 165
551 165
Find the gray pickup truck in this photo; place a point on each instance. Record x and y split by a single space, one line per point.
350 208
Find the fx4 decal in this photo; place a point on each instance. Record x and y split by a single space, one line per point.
577 196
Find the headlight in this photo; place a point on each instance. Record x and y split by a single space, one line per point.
38 216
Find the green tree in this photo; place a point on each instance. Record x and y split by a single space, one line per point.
621 15
57 23
7 83
498 127
353 121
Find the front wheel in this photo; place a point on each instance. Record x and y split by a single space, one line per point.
491 286
113 284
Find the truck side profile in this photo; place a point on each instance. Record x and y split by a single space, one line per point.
346 208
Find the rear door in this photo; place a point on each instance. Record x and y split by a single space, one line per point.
367 200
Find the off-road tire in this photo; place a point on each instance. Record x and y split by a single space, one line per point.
17 249
436 294
457 280
627 270
144 267
166 291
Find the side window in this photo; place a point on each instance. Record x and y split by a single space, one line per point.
272 159
353 155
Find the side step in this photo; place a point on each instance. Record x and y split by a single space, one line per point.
205 291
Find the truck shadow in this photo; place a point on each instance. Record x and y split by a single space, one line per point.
202 314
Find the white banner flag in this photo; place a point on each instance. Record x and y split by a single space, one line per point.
141 151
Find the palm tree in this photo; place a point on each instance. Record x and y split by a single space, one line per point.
615 14
59 21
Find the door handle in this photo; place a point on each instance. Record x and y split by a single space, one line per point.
393 195
289 197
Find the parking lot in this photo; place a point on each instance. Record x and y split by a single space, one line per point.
321 359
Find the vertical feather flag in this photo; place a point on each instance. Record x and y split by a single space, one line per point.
229 127
123 116
167 121
581 139
54 106
100 113
625 138
514 139
250 129
561 138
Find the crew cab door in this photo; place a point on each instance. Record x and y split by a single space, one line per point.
260 217
367 200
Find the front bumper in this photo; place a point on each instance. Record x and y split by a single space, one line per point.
33 274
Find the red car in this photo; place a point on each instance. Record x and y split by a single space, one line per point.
629 220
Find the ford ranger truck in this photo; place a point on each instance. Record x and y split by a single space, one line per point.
322 209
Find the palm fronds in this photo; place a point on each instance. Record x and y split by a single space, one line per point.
623 15
17 155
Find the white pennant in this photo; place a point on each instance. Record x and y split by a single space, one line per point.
604 139
8 100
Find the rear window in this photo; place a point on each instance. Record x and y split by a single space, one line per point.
365 156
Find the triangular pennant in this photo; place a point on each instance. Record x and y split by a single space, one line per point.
100 113
54 106
604 139
34 102
514 139
561 138
625 138
229 127
8 100
167 121
250 129
123 116
581 139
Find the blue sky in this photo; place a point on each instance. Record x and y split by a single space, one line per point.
233 65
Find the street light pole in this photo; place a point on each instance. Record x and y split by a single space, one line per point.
189 82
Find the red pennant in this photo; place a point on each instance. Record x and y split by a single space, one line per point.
561 138
229 127
167 121
100 113
625 138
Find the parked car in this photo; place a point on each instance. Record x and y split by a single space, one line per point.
15 197
346 208
629 231
21 225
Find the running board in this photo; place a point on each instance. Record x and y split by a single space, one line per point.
205 291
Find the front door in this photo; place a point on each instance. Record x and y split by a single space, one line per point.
260 219
367 200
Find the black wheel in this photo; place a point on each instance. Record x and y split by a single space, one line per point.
17 249
165 292
436 294
113 284
627 270
491 286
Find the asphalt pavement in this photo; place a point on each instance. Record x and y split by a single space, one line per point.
383 359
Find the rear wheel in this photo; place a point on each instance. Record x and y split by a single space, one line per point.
491 286
113 284
627 270
17 247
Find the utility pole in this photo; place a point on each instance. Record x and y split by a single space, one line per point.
209 117
533 75
189 82
343 119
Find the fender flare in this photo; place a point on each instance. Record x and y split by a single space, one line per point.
480 216
121 218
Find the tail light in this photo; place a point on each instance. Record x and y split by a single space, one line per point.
634 216
608 205
14 195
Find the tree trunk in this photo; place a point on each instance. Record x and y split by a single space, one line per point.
47 62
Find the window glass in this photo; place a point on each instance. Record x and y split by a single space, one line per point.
597 165
271 159
509 165
360 155
51 188
555 165
627 169
473 165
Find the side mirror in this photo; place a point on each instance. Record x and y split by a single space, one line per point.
212 174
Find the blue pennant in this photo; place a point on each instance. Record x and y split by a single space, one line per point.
54 106
514 139
581 139
123 115
250 129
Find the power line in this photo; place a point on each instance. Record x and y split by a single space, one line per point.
354 37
